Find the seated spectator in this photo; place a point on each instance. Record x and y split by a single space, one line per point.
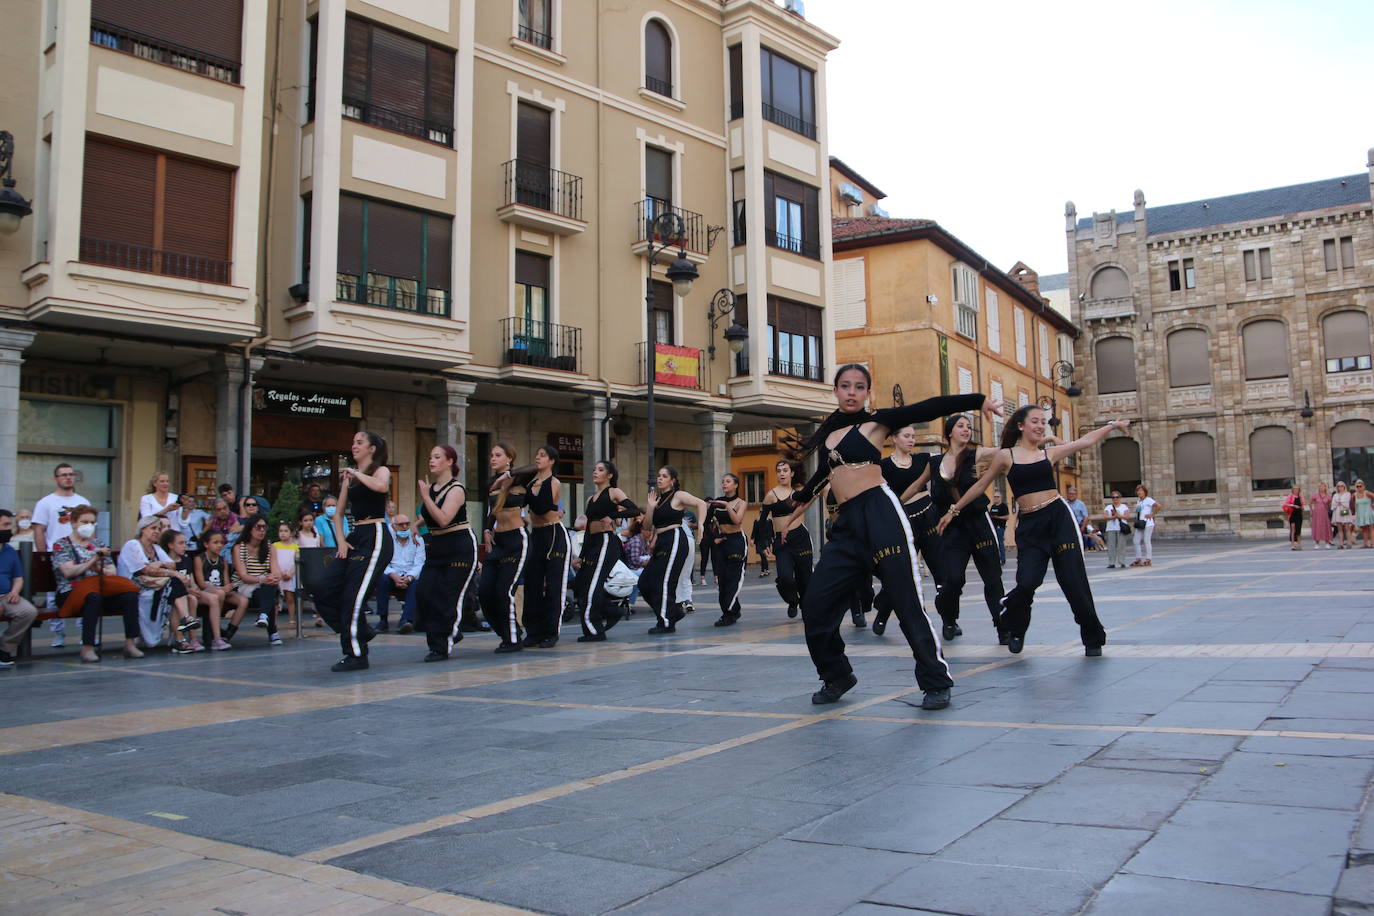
159 500
253 577
175 544
18 610
143 560
284 554
189 520
212 580
23 524
400 575
79 558
225 521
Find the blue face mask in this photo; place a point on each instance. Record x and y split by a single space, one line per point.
330 510
403 533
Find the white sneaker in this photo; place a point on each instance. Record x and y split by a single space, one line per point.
262 620
59 641
275 640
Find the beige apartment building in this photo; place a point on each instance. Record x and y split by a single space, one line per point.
1234 333
261 226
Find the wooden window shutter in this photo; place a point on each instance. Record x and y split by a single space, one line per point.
1194 458
198 206
350 235
534 134
398 73
439 243
1189 363
531 269
1271 453
658 53
658 173
119 186
356 40
811 213
439 102
393 240
1345 334
1266 349
1115 364
213 27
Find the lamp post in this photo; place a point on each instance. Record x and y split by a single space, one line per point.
669 227
1062 369
13 206
723 305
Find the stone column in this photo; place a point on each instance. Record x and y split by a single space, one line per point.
595 410
231 461
715 450
815 515
13 342
451 413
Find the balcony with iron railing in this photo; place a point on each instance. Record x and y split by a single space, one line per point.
399 293
535 37
675 366
127 41
693 237
155 261
539 197
790 121
809 372
398 121
659 86
541 345
785 241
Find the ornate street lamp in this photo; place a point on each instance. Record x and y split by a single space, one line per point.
723 305
1306 412
13 206
1063 369
670 227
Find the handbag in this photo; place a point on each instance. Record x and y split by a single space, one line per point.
102 585
1139 524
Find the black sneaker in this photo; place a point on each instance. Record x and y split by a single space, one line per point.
508 647
599 637
189 624
6 660
879 627
831 691
687 608
792 610
726 620
1015 644
935 699
406 627
1092 651
950 631
437 657
529 642
1002 638
859 622
182 648
480 626
548 642
655 631
350 663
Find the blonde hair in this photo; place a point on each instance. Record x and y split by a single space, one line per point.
152 481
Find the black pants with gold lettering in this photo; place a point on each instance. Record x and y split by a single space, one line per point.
793 558
501 572
871 536
1050 535
970 535
672 559
450 567
922 517
728 558
546 581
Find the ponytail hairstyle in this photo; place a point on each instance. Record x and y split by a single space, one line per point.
838 419
1011 433
378 456
672 472
612 470
735 478
797 469
508 449
451 454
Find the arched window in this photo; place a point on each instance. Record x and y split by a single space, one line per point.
1195 464
1115 365
1188 359
1352 451
1345 336
1110 283
1120 466
658 58
1271 459
1265 344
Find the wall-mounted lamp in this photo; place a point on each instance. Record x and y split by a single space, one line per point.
933 300
723 305
1306 412
13 206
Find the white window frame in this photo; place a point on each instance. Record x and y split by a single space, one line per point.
1044 339
995 390
554 54
1065 346
1019 322
994 319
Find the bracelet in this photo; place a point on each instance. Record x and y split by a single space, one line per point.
953 511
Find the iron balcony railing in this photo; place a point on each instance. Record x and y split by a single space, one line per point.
155 260
535 37
812 373
692 238
656 85
805 247
117 38
789 121
388 119
398 293
536 185
678 370
542 344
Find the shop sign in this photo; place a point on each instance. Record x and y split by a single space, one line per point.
295 403
569 445
64 383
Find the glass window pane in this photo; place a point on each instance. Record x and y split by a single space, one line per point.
93 481
64 423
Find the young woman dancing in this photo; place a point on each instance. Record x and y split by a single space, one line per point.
670 547
973 535
361 556
601 548
730 549
907 473
1046 531
870 535
450 554
546 570
507 545
791 555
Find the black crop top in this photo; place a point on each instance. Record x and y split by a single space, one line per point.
943 492
601 506
720 514
513 500
783 507
437 494
665 516
1032 477
540 501
365 503
899 478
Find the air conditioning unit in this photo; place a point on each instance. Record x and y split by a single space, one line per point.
850 194
795 6
876 210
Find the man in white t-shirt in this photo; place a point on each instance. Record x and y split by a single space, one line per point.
52 522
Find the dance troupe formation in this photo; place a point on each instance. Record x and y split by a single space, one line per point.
888 510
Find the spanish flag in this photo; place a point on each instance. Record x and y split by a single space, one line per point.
676 365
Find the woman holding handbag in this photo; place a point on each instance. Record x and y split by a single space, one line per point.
1292 511
1143 521
87 584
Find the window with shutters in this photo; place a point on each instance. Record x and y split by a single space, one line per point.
658 181
1265 347
199 36
994 313
535 22
397 82
658 58
739 207
1115 365
531 333
995 391
964 282
1258 265
312 68
533 175
1339 253
847 294
145 210
664 305
1195 464
394 257
754 489
1044 338
1189 361
1352 451
736 55
1271 458
1065 350
1182 275
794 339
793 215
1022 397
789 93
741 359
1019 327
1345 338
1120 465
1110 283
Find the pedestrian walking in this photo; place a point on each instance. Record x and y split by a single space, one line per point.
1320 513
1292 511
762 536
51 523
999 513
1143 525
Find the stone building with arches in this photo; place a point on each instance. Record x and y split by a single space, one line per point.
1235 334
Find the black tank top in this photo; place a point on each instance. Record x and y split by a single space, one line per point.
437 494
364 502
899 478
720 514
665 516
859 451
601 506
1034 477
513 500
540 501
943 491
783 507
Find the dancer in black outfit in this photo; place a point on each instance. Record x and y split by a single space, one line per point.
1046 530
601 548
907 472
762 536
952 476
791 555
450 555
670 548
546 570
507 545
361 556
870 535
731 550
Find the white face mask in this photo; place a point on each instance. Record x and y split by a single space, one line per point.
25 523
87 530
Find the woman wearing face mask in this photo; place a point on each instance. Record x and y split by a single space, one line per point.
1046 531
23 528
80 556
601 549
792 555
361 555
730 549
670 548
907 473
871 534
451 557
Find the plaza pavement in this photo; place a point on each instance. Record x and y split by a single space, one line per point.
1216 760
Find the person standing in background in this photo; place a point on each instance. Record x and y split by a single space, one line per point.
1292 511
1343 516
1144 525
999 513
1079 510
159 500
1116 516
51 523
1364 513
23 527
1321 517
226 493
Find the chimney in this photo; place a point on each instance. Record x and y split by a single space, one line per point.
1026 277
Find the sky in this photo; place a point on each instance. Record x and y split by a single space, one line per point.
987 115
